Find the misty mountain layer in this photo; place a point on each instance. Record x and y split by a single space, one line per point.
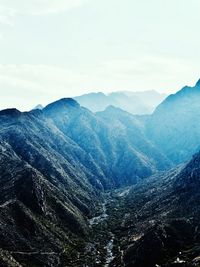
132 102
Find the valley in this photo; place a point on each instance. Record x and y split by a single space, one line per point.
99 133
103 189
144 231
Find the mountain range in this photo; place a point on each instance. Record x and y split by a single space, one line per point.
132 102
104 188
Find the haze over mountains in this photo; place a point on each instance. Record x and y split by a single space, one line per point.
108 188
132 102
174 126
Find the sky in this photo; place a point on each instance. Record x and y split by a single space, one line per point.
51 49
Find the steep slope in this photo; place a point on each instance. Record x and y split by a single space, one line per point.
110 146
174 126
42 218
39 222
131 130
133 102
158 221
37 141
54 165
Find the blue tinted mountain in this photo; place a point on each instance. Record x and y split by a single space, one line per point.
40 169
120 156
54 165
39 106
132 102
174 126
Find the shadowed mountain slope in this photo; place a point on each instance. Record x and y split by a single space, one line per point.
39 220
162 226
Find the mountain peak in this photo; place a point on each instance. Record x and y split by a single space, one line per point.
39 106
61 105
10 111
113 111
198 83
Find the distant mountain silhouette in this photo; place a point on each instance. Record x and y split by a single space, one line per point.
39 106
133 102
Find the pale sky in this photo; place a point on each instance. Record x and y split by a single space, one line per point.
61 48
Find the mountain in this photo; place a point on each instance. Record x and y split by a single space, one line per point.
130 129
157 222
79 188
150 98
55 164
117 155
39 106
40 169
174 126
38 219
132 102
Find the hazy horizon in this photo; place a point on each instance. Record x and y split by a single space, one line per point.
54 49
45 103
